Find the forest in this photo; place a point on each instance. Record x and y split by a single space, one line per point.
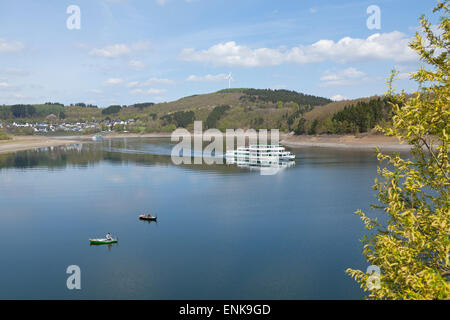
230 108
26 111
215 115
275 96
361 117
179 118
353 119
111 110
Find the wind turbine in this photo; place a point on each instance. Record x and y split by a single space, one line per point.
229 78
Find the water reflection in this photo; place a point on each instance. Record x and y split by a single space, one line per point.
122 151
149 221
108 246
262 164
224 233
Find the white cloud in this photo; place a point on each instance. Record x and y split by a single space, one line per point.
379 46
7 86
231 54
347 76
278 87
13 46
13 72
155 91
119 49
113 81
163 2
346 73
159 81
159 99
140 45
338 97
4 84
207 78
95 91
136 65
141 88
151 81
151 91
132 84
111 51
12 97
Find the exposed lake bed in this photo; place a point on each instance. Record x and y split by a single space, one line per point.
364 142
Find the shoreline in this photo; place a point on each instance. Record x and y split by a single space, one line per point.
22 143
346 142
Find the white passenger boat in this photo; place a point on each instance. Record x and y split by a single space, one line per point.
259 154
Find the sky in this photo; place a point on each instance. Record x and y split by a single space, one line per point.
130 51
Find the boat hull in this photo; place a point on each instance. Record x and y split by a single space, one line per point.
102 241
147 218
260 154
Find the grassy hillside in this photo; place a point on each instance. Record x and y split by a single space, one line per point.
230 108
331 108
235 108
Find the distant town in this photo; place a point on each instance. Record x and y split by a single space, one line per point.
67 127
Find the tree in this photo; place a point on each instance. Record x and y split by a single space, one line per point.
411 247
301 126
215 115
141 106
280 104
268 95
111 109
23 111
313 129
181 119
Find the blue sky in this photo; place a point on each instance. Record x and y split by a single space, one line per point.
129 51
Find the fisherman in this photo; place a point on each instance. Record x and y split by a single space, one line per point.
108 236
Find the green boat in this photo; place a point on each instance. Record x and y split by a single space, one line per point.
102 241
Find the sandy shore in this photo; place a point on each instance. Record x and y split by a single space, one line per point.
84 138
19 143
363 142
137 135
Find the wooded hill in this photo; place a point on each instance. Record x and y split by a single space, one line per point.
231 108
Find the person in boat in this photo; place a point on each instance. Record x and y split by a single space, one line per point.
108 236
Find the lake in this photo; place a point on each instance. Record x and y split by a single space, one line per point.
223 232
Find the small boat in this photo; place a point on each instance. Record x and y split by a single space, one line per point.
97 137
147 217
103 241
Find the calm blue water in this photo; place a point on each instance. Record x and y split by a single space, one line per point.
222 232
